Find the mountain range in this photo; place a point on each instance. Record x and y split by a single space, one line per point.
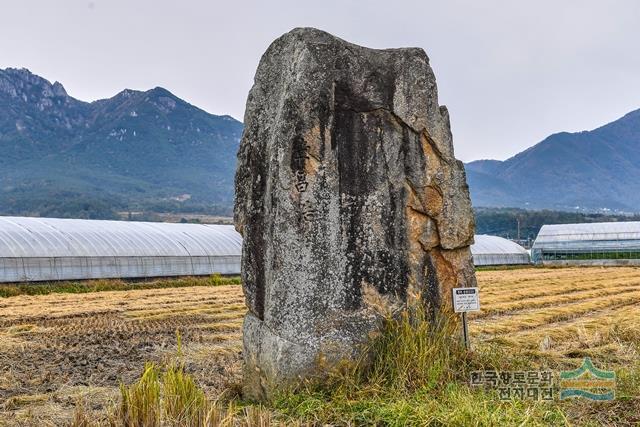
596 170
152 151
135 151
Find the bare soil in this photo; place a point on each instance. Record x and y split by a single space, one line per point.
58 349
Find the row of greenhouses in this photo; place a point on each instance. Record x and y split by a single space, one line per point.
45 249
602 243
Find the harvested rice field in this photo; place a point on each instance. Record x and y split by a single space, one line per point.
61 349
562 313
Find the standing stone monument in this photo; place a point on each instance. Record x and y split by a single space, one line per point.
349 199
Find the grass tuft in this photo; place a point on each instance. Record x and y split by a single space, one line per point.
414 373
171 397
140 402
411 353
184 402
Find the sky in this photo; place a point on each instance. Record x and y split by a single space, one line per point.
510 72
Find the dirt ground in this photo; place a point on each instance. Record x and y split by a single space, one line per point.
60 349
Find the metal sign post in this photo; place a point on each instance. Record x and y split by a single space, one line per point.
465 331
464 300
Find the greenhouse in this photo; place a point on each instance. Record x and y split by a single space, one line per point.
494 250
603 243
43 249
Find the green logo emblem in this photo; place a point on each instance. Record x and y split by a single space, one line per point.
588 381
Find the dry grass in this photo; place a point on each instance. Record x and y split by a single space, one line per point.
563 313
170 396
64 349
57 348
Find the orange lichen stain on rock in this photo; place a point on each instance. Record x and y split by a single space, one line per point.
421 228
433 201
416 252
445 273
460 261
313 141
423 237
432 156
414 200
452 271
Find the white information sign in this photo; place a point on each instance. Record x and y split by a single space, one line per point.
466 299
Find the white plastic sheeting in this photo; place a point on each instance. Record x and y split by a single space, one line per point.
37 249
494 250
586 243
604 235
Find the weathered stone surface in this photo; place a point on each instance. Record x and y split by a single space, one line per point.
349 198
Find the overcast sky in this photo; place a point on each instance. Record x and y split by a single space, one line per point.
511 72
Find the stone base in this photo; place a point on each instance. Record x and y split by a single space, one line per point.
273 363
267 357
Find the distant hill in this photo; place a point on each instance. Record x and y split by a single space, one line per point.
594 170
136 151
153 152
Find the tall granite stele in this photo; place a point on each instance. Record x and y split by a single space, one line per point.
349 199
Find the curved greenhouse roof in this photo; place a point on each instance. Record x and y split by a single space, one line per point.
562 234
588 242
58 249
494 250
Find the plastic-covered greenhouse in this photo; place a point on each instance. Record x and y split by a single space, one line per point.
494 250
41 249
599 243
